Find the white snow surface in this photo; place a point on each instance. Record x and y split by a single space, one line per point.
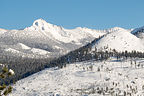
39 51
25 51
12 50
120 40
22 46
80 79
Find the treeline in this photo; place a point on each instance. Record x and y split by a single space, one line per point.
85 54
23 67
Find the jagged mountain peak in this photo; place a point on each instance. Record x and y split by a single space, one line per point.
42 25
39 22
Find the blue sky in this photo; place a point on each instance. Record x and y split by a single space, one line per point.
96 14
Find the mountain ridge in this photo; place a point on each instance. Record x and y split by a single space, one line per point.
58 40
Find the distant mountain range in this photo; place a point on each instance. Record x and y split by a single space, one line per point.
47 40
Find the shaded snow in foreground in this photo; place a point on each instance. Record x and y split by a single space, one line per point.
81 79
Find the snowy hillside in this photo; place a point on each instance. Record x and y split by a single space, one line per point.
120 40
106 78
44 36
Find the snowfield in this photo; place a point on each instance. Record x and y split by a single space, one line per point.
107 78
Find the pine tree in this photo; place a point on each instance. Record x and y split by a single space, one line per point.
5 73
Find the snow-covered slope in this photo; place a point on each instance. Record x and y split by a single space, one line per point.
39 51
91 78
21 49
120 40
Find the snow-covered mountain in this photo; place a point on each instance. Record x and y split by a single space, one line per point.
120 40
47 39
60 34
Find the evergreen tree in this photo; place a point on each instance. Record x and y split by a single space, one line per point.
5 73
